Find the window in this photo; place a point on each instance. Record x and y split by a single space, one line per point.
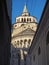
47 39
15 25
17 42
27 19
24 20
39 51
21 42
22 24
18 20
29 41
25 42
34 58
33 20
30 19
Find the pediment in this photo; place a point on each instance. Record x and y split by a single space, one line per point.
27 31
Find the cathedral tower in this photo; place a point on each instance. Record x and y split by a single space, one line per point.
22 36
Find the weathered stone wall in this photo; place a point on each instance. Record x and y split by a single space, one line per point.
39 49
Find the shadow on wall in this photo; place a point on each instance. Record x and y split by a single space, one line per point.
5 33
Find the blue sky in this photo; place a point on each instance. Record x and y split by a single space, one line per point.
35 8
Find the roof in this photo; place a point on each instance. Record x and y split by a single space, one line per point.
25 9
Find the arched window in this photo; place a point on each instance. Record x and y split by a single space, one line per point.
30 19
15 25
33 20
21 42
29 41
18 43
15 43
22 24
47 39
25 42
18 20
24 20
27 19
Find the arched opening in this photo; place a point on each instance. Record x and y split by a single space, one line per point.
27 19
17 20
17 43
30 19
25 42
15 25
21 42
29 42
33 20
22 24
24 20
47 47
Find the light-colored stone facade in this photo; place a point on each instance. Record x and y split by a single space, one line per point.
22 35
39 50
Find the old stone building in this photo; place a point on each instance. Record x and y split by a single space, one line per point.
5 31
22 35
39 50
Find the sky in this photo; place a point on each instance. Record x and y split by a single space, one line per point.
35 8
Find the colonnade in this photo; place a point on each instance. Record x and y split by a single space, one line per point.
23 43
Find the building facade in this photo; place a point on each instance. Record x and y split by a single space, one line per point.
39 50
5 31
22 35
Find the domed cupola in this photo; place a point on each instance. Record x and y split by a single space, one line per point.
25 17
